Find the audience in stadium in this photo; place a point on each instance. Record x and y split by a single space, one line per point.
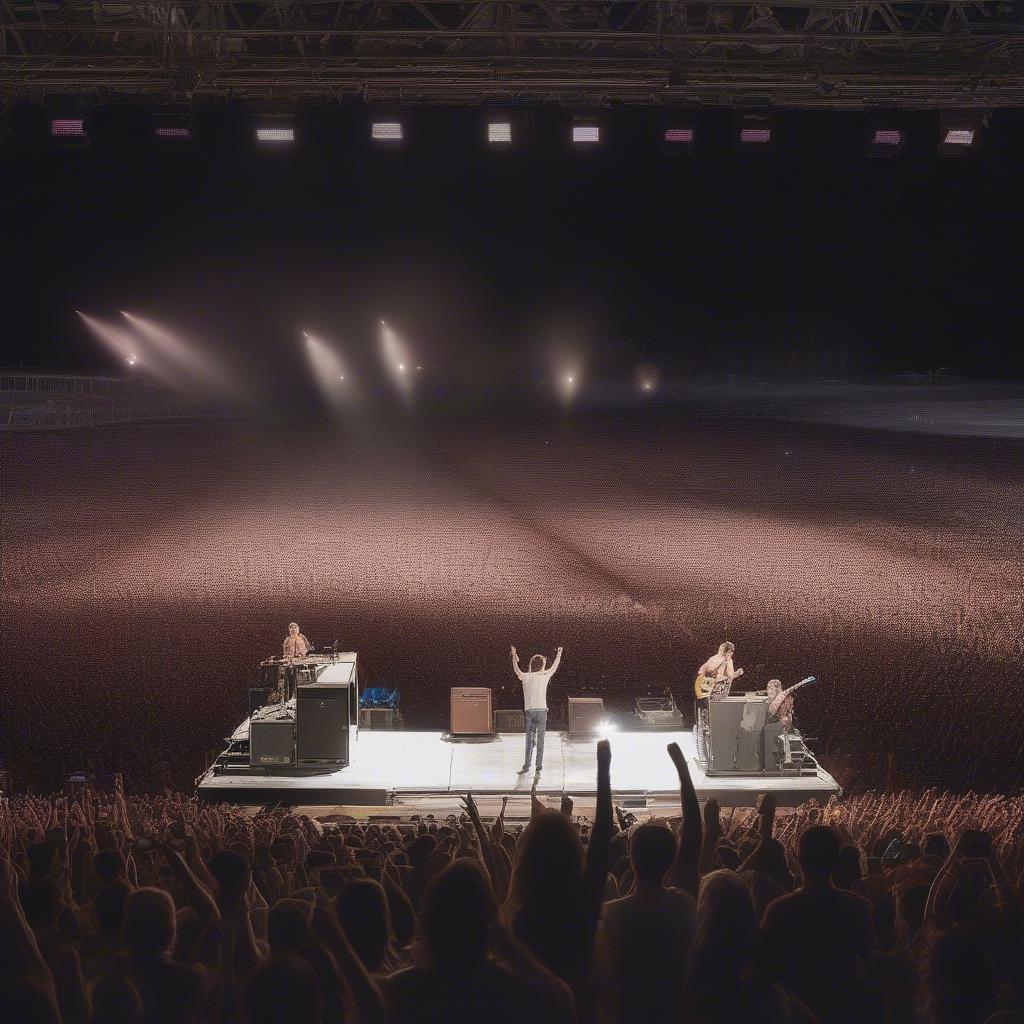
131 909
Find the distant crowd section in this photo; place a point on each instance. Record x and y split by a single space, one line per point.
149 908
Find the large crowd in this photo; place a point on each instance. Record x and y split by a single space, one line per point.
120 908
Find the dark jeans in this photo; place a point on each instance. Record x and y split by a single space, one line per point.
536 722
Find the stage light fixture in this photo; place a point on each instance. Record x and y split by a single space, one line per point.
172 129
883 134
499 133
959 137
390 131
585 131
960 132
275 134
679 135
69 129
755 134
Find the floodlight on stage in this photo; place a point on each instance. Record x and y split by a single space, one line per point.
275 134
68 129
960 132
172 129
883 134
499 133
756 135
387 131
586 134
677 135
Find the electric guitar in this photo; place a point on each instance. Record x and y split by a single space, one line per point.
777 701
704 686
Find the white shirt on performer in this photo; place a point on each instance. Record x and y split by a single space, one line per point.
535 684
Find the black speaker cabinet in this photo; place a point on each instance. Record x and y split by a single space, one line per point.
509 720
321 725
585 715
737 725
271 744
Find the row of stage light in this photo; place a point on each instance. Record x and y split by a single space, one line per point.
959 132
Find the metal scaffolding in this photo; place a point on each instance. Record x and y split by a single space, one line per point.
814 53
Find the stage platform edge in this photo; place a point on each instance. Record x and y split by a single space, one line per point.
410 769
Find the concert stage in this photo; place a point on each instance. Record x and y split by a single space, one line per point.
410 772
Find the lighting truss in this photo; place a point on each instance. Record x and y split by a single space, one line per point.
842 54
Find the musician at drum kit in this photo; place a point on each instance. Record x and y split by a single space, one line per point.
295 644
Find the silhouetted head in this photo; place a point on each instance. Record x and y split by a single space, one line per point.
233 874
109 907
115 1000
726 923
41 857
548 862
936 846
652 848
818 853
108 865
538 663
41 903
288 924
456 911
283 988
420 850
148 922
363 911
848 867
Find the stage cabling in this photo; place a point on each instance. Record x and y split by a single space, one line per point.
838 55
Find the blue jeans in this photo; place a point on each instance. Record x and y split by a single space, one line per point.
536 722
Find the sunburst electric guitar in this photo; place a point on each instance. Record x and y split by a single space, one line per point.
704 686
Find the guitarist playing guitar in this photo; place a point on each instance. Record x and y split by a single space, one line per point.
715 676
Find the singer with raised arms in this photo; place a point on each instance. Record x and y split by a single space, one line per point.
535 703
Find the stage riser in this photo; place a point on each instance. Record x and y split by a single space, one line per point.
413 767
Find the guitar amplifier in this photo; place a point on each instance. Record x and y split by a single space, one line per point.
509 720
471 711
271 744
585 715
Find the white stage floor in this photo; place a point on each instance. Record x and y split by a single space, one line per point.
389 765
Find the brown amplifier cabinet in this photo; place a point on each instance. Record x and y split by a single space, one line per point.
585 715
471 711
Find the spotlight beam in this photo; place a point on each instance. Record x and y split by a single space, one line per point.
184 360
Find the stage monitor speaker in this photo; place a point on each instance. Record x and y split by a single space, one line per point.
737 724
471 711
257 699
585 715
271 744
377 718
321 725
509 720
772 747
